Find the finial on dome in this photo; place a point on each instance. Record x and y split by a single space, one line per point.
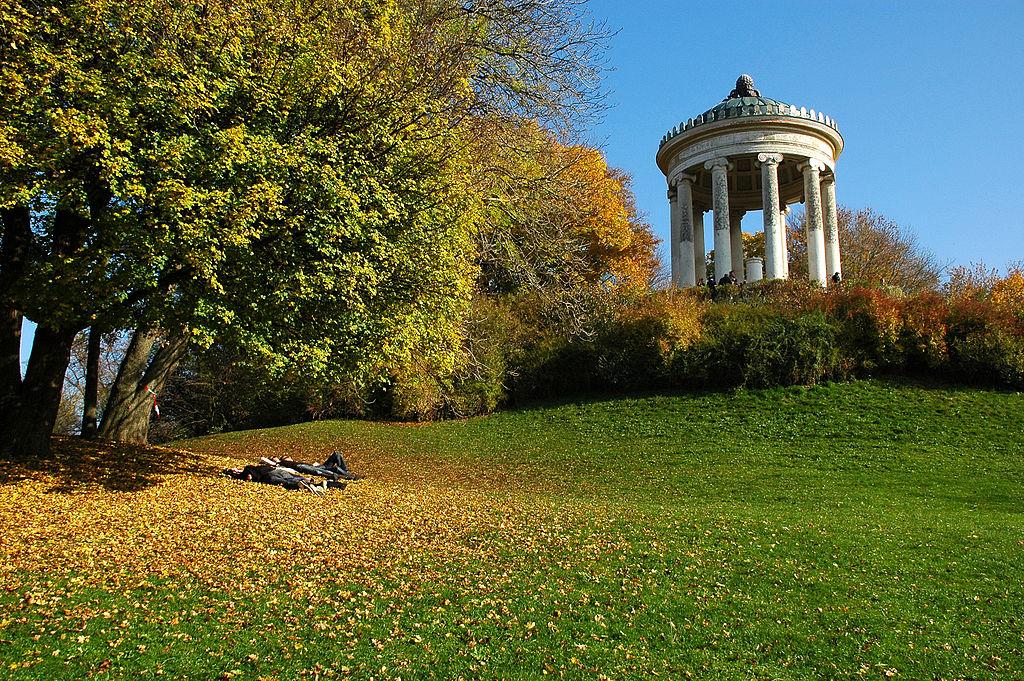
744 88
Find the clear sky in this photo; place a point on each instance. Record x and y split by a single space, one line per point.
929 97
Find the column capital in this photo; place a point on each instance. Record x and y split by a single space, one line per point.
769 159
828 179
737 214
681 177
720 162
672 194
811 164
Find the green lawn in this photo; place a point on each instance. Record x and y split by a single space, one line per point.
868 529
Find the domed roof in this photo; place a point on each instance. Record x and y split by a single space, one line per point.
744 102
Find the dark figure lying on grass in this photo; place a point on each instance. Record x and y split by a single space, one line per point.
269 474
285 473
332 468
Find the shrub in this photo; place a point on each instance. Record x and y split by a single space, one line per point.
983 344
755 346
798 351
635 348
1008 296
714 361
922 333
630 348
870 327
494 342
766 334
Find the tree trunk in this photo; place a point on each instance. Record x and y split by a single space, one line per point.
27 424
17 235
10 356
127 414
29 406
90 424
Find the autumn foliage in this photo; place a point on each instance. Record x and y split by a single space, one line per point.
792 333
556 218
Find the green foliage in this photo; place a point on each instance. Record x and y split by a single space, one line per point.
242 173
748 347
871 327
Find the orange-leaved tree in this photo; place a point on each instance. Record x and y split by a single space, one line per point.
556 218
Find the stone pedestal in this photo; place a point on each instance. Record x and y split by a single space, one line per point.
755 269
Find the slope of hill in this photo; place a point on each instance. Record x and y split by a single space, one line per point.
868 529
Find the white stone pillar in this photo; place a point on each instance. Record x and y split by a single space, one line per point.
773 243
755 269
814 220
673 239
784 239
736 243
833 262
719 168
684 200
700 252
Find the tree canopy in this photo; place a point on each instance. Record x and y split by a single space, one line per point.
292 179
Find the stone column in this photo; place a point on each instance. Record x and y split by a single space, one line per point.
719 168
784 239
700 265
684 201
736 243
833 263
814 220
673 239
773 242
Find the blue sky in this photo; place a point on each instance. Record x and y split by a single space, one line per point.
929 98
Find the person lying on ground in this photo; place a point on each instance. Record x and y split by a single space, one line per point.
336 462
276 475
299 467
333 467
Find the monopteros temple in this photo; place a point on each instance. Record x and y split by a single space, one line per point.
751 153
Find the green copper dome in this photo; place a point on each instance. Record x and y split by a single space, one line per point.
742 103
746 102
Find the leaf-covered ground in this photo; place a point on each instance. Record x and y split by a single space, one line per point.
863 530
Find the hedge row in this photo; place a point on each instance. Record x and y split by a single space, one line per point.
781 334
775 334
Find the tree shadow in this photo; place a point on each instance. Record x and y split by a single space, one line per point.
77 465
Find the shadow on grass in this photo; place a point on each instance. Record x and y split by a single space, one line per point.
77 465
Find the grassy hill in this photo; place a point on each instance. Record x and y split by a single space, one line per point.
868 529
